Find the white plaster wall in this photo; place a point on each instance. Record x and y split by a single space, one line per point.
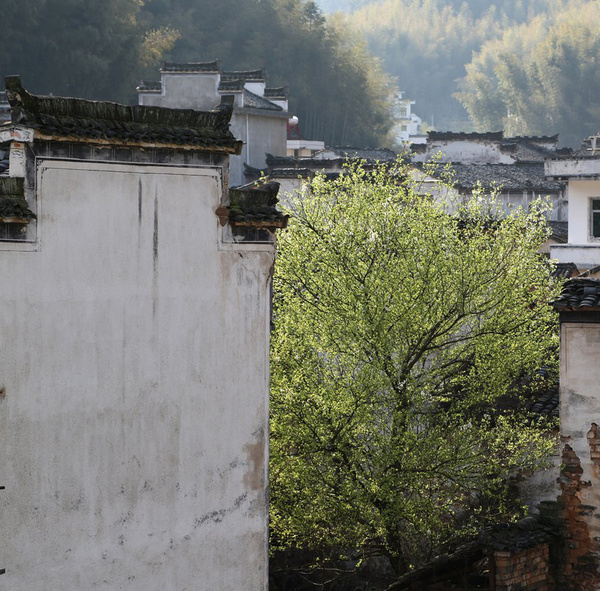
579 193
255 87
580 406
261 134
468 151
189 91
134 362
585 256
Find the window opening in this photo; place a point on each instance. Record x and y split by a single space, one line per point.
595 217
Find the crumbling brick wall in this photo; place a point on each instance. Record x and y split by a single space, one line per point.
577 558
527 570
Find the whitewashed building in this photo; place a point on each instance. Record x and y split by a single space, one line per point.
134 322
582 174
260 114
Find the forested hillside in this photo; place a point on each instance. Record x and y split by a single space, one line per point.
512 65
102 49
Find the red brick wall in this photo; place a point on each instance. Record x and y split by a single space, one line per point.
527 570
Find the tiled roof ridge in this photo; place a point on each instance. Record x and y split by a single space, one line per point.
234 85
253 205
73 117
258 75
258 102
174 67
277 92
449 135
362 149
149 85
579 294
534 138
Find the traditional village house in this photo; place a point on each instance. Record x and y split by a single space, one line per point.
260 114
134 325
582 173
514 167
408 127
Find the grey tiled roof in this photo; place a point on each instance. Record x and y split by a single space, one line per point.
4 157
565 270
579 294
78 118
246 75
12 200
4 108
236 85
254 101
191 67
254 205
291 172
559 231
281 92
146 85
371 154
521 176
452 135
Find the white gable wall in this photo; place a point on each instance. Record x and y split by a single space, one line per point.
134 369
468 151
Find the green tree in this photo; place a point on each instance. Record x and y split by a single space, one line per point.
400 320
72 47
524 82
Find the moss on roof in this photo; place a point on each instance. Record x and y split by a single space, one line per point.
78 118
13 206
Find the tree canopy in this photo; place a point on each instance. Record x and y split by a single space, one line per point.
542 77
521 58
400 322
101 50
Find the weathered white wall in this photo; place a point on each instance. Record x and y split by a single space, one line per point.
579 408
579 193
466 151
582 249
134 401
262 135
185 91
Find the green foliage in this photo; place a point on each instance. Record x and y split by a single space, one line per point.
102 49
400 321
72 47
427 43
337 89
524 81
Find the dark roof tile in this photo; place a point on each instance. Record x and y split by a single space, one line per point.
254 101
78 118
13 205
149 86
452 135
190 67
559 231
369 154
281 92
579 294
520 176
236 85
246 75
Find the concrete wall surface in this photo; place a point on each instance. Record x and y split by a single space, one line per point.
579 194
466 151
133 388
579 418
185 91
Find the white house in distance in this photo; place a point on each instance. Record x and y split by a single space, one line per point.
408 128
134 326
582 172
260 116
